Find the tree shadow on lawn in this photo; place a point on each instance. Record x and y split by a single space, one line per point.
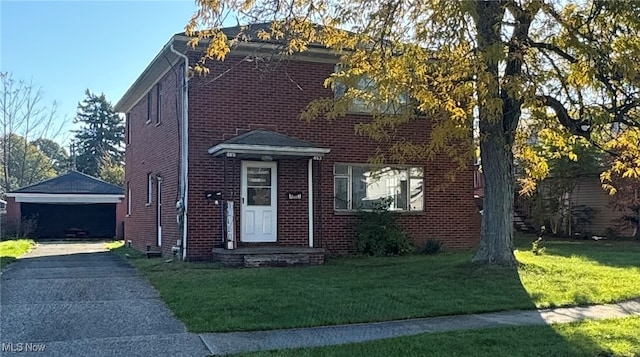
622 254
6 260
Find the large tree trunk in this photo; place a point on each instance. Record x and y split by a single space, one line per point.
496 242
498 115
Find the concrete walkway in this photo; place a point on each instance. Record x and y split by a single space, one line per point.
77 299
236 342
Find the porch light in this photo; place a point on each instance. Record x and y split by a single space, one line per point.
266 158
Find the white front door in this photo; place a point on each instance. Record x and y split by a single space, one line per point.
258 201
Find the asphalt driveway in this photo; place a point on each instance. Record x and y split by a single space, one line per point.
77 299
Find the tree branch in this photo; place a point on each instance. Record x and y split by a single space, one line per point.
575 126
553 48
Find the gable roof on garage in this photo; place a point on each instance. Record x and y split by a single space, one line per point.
72 187
73 182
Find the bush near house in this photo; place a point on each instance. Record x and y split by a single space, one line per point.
378 232
16 228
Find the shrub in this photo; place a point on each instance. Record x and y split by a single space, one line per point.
536 247
431 246
14 228
378 233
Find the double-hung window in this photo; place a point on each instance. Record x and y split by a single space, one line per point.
367 90
158 103
149 189
128 199
363 187
149 106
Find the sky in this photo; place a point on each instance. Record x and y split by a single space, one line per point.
66 47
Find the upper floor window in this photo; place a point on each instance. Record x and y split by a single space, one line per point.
158 103
362 187
149 107
364 101
128 129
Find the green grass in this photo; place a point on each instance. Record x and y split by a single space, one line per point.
617 337
207 298
10 250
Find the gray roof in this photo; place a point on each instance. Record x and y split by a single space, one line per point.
267 138
249 32
73 182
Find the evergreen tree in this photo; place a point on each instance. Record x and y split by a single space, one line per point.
101 135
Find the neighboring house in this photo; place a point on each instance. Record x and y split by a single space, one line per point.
224 163
590 203
3 206
593 213
70 205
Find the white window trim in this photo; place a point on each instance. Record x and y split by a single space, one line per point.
349 177
128 199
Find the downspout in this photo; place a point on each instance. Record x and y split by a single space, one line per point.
184 142
310 194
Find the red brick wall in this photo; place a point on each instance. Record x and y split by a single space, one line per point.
13 209
246 98
121 211
154 149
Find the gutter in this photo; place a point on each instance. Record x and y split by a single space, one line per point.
184 150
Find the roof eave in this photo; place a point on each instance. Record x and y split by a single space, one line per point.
156 69
66 198
159 66
222 149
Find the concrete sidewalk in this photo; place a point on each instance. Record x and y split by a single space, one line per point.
237 342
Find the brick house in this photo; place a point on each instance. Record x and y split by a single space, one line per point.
223 164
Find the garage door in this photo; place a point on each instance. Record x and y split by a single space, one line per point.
67 220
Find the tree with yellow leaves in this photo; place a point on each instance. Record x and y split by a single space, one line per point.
504 62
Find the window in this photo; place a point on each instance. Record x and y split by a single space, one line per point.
128 129
366 85
158 103
149 107
149 189
365 187
128 200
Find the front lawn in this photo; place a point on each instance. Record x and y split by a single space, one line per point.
10 250
207 298
618 337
